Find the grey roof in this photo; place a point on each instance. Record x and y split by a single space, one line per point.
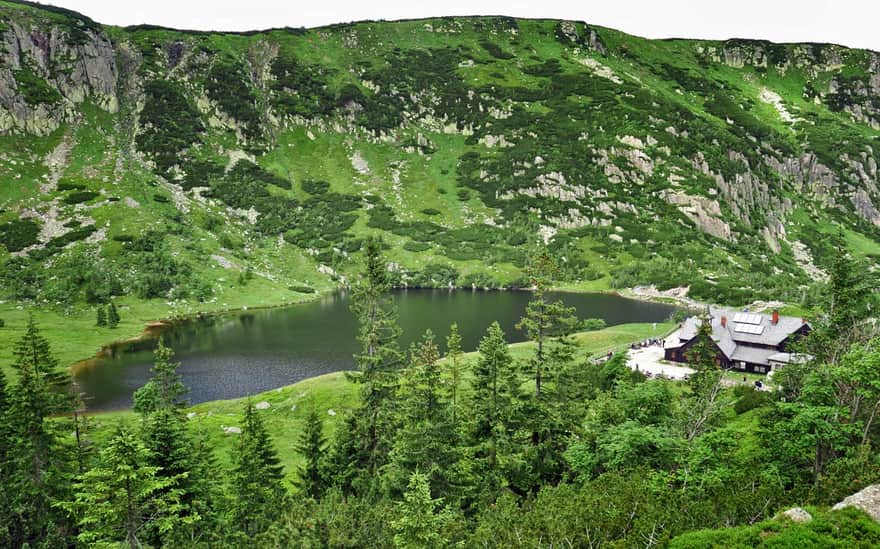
754 329
753 355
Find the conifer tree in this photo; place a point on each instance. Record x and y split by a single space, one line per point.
120 497
6 467
419 524
426 441
378 361
312 445
101 317
456 369
495 393
256 484
112 315
544 319
42 390
165 390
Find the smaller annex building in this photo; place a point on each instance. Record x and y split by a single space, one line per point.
750 342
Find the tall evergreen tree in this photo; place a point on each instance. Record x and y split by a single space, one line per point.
379 361
494 400
456 369
419 524
6 467
37 467
201 497
165 390
170 451
426 441
257 480
122 495
312 445
544 319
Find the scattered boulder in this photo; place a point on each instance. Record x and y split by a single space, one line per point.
232 430
797 514
190 415
262 405
331 412
868 500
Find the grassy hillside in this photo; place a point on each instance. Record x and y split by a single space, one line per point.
183 171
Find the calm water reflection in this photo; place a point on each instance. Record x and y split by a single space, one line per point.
250 352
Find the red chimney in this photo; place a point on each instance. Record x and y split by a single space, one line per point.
775 316
724 322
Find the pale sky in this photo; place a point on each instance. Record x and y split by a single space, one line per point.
849 22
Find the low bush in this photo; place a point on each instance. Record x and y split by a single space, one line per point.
78 197
413 246
315 187
301 289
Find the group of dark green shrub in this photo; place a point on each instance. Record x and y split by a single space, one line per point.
300 89
78 197
315 187
19 234
156 271
58 243
169 122
227 85
495 50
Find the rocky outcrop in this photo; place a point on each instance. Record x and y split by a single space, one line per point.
868 500
797 514
807 172
67 71
865 207
703 212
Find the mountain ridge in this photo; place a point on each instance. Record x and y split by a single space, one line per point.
734 167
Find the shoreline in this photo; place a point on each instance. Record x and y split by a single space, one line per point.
152 328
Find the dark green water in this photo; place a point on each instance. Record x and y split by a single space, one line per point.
250 352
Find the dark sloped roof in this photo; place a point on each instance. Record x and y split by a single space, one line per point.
756 329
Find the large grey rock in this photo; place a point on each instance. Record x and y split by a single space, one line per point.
797 514
868 500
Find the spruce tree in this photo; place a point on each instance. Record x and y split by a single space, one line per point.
42 391
456 370
122 495
165 390
419 524
544 319
101 318
256 483
6 467
426 441
312 445
378 362
112 315
495 394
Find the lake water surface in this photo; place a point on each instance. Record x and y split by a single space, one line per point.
249 352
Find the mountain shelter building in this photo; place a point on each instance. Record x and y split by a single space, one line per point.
749 342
